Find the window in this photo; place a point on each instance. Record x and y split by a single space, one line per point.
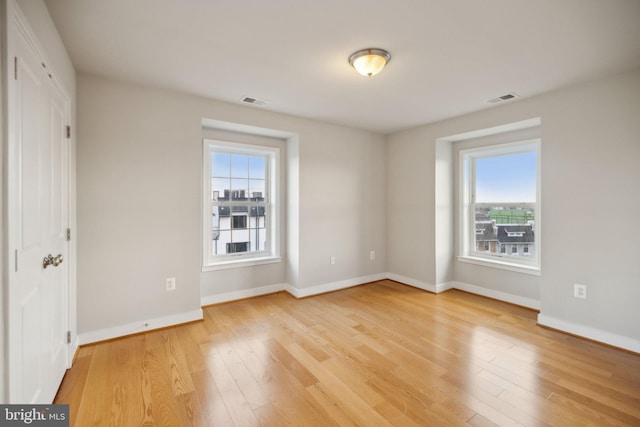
239 221
499 190
236 247
240 208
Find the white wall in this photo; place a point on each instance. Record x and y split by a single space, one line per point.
590 178
411 196
342 205
592 163
139 189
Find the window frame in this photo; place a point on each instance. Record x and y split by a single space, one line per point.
271 204
468 205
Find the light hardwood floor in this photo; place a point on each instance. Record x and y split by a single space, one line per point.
374 355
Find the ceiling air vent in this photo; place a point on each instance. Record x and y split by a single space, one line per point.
255 101
508 97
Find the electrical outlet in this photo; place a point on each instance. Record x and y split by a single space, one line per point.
372 255
332 260
170 283
580 291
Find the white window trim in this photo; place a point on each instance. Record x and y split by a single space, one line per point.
466 220
272 255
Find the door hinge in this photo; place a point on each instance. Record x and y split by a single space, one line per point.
15 68
68 337
68 234
16 261
68 132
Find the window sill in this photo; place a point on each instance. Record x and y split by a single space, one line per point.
503 265
238 263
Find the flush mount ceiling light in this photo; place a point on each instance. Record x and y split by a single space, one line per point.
369 62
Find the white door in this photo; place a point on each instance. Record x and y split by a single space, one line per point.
38 221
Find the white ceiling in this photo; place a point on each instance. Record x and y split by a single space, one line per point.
448 56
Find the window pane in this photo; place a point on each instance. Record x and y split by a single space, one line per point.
257 188
240 236
258 239
220 188
257 167
215 221
239 166
505 214
239 221
239 210
239 189
506 178
219 245
220 164
236 247
505 230
258 233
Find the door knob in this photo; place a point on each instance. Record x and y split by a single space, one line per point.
51 260
57 260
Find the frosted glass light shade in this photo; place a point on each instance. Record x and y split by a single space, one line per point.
369 62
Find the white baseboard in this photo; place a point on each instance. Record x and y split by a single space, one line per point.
412 282
137 327
436 289
296 292
333 286
478 290
594 334
502 296
441 287
73 349
246 293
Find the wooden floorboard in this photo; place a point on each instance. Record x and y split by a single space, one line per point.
381 354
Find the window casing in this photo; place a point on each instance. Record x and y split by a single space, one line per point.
240 204
499 209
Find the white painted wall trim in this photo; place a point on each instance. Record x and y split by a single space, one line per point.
413 282
245 293
140 326
478 290
73 350
333 286
445 287
599 335
436 289
499 295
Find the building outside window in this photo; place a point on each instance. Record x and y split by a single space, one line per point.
240 214
499 208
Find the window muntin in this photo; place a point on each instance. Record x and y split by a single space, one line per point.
241 183
499 210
